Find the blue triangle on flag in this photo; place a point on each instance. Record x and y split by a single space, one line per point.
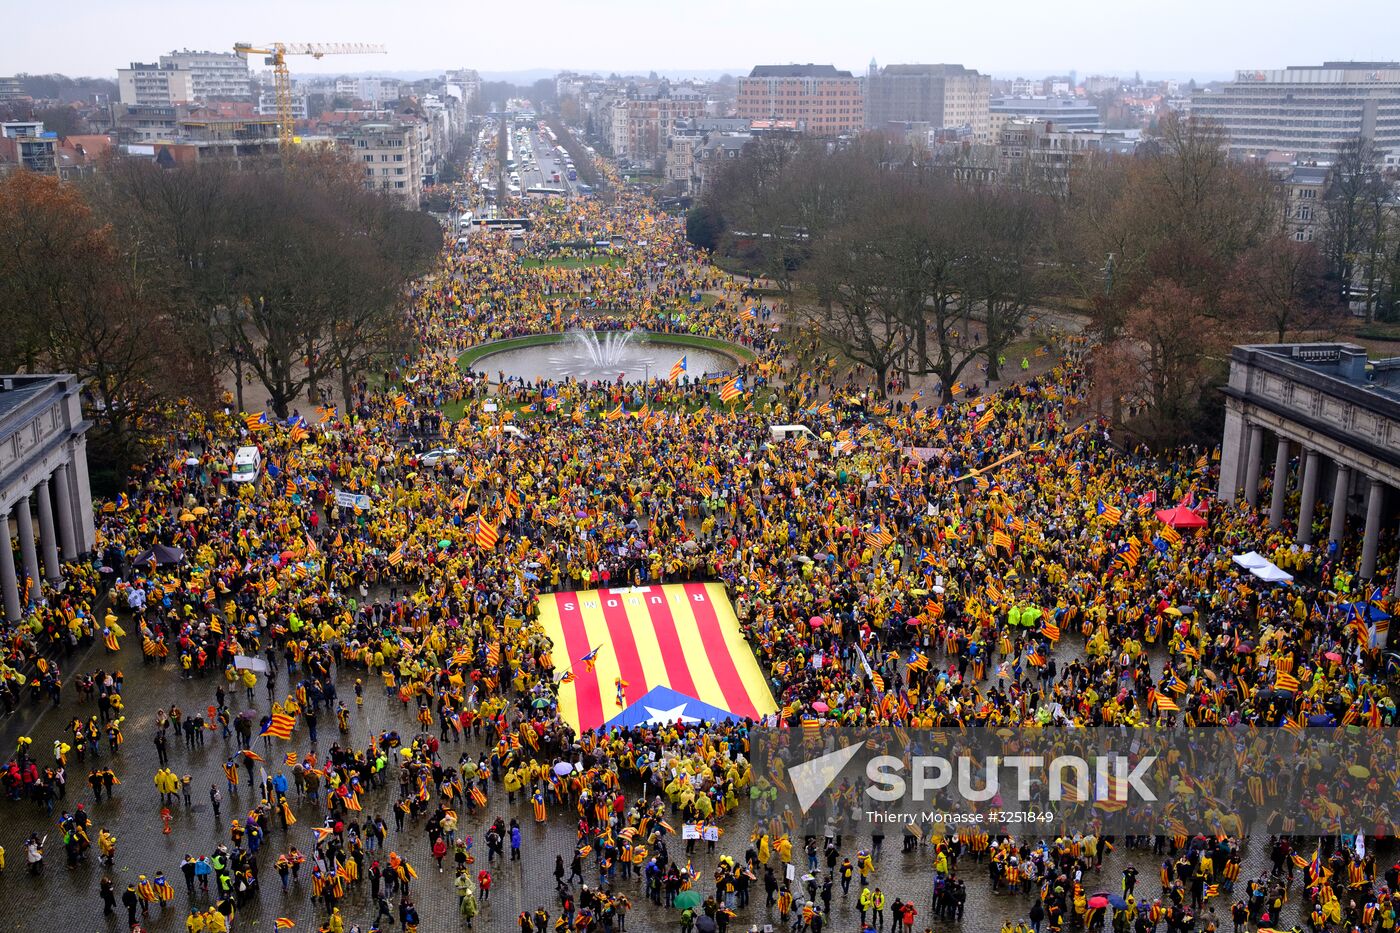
662 706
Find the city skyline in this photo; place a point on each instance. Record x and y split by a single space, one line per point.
1102 38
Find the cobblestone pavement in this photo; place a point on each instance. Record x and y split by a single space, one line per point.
68 899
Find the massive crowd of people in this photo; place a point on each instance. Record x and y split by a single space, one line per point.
993 561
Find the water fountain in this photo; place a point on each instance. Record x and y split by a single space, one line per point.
607 353
590 356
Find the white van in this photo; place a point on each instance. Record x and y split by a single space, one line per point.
780 432
247 464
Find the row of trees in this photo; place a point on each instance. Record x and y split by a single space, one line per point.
1173 254
1361 232
902 269
151 283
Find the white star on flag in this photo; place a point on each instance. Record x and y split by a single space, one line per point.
663 717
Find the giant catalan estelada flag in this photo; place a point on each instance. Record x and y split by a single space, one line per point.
652 654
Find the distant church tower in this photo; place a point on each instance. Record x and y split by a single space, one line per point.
874 68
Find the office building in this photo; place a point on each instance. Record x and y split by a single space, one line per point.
1066 113
943 96
819 99
1306 111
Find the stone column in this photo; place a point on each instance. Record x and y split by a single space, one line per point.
82 512
27 549
1311 467
47 539
61 478
1369 544
1339 503
1251 467
1230 452
8 582
1280 484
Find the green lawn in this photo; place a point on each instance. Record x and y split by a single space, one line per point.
573 262
454 411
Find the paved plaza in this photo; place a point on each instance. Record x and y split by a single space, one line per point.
69 898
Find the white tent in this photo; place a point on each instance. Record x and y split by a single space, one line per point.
1262 567
1251 559
1270 573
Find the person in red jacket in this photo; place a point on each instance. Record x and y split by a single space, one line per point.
440 851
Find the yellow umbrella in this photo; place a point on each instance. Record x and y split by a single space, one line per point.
187 516
1359 771
200 510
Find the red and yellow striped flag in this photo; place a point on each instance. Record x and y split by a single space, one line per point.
486 534
683 637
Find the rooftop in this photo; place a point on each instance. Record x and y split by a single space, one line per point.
797 71
945 70
1345 66
1334 366
17 391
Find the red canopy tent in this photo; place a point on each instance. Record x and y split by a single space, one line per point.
1180 517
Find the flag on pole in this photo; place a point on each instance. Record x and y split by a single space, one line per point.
732 389
486 534
678 369
279 726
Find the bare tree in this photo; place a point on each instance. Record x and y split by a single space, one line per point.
1002 275
1280 286
1352 223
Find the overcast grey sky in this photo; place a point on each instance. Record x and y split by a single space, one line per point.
1031 37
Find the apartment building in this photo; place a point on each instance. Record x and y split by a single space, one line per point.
1304 187
25 144
642 123
154 85
942 96
213 75
697 147
267 105
1041 155
1306 111
819 99
469 81
391 154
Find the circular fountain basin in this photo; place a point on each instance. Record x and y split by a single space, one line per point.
590 356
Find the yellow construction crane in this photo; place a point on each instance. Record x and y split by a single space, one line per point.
282 79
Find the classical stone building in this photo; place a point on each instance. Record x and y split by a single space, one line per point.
1333 420
43 475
